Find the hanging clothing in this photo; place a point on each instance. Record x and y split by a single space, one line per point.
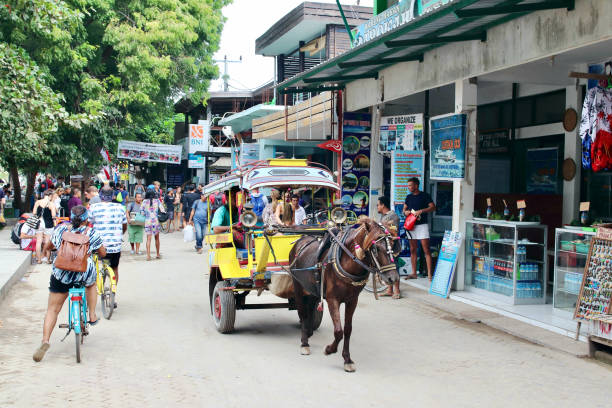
596 129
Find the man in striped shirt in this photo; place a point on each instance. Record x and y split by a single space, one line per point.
110 221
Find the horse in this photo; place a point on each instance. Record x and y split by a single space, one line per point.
338 266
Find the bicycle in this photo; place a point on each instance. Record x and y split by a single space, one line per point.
106 283
77 317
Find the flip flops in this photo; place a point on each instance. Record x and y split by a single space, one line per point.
385 294
40 352
396 296
94 323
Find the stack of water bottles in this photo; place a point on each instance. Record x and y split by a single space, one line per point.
528 271
573 281
501 285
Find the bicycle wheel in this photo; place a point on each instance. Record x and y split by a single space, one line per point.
380 285
107 298
78 339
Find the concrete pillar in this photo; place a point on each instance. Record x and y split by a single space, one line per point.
376 165
573 150
463 190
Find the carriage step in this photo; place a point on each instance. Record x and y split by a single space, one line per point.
263 306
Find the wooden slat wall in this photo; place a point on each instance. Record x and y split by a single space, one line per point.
308 113
338 41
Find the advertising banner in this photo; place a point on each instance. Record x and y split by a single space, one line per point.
397 15
447 141
152 152
447 262
249 153
356 140
198 142
403 132
542 170
404 166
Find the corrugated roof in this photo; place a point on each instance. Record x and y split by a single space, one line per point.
447 23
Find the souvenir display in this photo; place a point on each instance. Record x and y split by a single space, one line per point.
596 129
596 290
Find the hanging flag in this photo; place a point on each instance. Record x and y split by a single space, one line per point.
107 173
105 155
333 145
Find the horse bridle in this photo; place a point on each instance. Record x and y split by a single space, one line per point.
361 280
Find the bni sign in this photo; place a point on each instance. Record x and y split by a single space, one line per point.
198 142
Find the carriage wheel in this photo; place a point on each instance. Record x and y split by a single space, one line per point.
223 308
380 285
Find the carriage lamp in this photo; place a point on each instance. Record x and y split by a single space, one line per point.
338 215
248 218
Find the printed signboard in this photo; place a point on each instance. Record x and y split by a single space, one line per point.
404 132
404 166
152 152
447 141
447 262
542 170
198 142
397 15
356 139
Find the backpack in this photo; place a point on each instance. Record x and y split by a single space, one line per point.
258 204
72 254
16 233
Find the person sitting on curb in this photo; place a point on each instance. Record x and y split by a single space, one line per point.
61 281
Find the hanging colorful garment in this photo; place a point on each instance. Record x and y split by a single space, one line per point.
596 120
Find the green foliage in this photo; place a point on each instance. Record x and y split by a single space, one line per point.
110 69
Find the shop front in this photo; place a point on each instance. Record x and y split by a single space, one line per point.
513 181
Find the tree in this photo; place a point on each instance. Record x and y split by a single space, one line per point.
118 64
31 112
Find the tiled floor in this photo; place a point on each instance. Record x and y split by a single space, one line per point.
539 315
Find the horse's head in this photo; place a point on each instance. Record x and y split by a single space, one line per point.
374 245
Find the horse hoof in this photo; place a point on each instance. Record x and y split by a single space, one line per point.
305 351
349 368
329 350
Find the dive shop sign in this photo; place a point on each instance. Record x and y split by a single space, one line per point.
399 14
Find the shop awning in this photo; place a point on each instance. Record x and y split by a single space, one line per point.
222 163
411 38
242 121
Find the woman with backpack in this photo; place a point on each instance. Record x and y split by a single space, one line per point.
45 213
151 206
62 280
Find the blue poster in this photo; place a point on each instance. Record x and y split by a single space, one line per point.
405 164
447 262
447 141
356 140
542 170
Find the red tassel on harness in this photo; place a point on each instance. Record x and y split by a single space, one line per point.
320 307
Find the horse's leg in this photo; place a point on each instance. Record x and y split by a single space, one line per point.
334 312
349 365
303 314
310 307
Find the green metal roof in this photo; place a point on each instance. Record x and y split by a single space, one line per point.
459 20
242 121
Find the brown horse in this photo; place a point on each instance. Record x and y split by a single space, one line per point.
339 266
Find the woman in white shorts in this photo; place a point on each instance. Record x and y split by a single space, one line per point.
46 211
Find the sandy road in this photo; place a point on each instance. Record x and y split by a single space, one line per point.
161 349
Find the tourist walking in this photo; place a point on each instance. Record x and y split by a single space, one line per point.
45 210
92 195
199 219
188 199
178 209
75 199
139 189
169 204
150 207
136 222
61 281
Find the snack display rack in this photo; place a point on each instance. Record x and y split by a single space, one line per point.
507 260
571 252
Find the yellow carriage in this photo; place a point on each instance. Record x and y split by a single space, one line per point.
247 256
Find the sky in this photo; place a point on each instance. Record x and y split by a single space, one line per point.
246 21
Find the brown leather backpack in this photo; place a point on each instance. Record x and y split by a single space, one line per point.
72 253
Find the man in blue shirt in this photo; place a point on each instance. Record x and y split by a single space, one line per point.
221 221
199 218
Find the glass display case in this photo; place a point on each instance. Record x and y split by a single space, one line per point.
571 253
506 260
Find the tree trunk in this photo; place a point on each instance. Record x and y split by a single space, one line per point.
31 178
14 172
